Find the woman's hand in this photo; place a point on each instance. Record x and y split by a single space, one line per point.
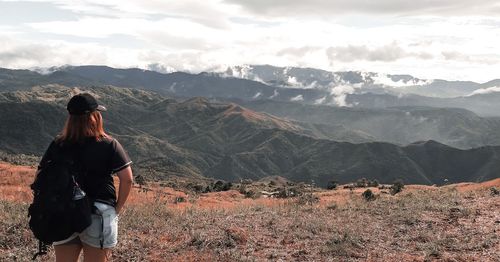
126 180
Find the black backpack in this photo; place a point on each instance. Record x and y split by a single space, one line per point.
60 207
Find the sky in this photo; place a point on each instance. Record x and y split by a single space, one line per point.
429 39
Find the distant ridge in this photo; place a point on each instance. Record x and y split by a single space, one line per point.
299 85
198 138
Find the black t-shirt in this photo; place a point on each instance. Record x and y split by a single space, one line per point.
100 160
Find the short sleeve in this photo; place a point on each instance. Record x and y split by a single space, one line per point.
119 158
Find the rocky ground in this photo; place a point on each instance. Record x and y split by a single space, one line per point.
452 223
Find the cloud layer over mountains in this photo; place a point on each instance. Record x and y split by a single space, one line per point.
429 39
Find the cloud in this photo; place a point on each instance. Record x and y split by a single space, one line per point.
275 94
386 53
157 67
292 81
168 32
297 51
379 7
199 36
385 80
20 54
16 53
484 91
320 101
340 93
241 71
297 98
210 13
257 95
454 55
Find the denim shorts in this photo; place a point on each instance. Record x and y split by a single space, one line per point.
103 232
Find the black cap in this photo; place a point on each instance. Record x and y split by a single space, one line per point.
82 104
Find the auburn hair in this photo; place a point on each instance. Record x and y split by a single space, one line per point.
80 127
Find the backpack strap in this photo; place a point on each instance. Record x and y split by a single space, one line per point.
75 153
101 233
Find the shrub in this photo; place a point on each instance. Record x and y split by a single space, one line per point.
179 199
140 180
308 199
343 244
397 187
218 186
494 191
252 194
363 182
248 193
384 187
368 195
288 192
349 186
332 185
246 181
198 188
373 183
242 189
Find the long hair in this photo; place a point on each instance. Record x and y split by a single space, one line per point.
80 127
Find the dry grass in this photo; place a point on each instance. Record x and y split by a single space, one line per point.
419 224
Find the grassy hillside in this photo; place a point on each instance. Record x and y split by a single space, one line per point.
453 223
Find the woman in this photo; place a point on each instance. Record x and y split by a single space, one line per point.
101 156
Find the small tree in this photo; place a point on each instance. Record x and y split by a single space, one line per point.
368 195
397 187
373 183
221 186
332 185
363 182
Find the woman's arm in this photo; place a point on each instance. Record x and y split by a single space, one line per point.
126 179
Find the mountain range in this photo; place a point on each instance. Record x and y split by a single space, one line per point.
312 78
199 137
307 86
399 125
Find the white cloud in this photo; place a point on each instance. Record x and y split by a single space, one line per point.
484 91
340 93
384 7
340 100
25 54
240 71
385 80
210 13
320 101
168 32
342 89
297 51
312 85
160 68
386 53
293 81
275 94
257 95
297 98
199 36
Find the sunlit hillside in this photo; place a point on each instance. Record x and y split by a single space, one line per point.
457 222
